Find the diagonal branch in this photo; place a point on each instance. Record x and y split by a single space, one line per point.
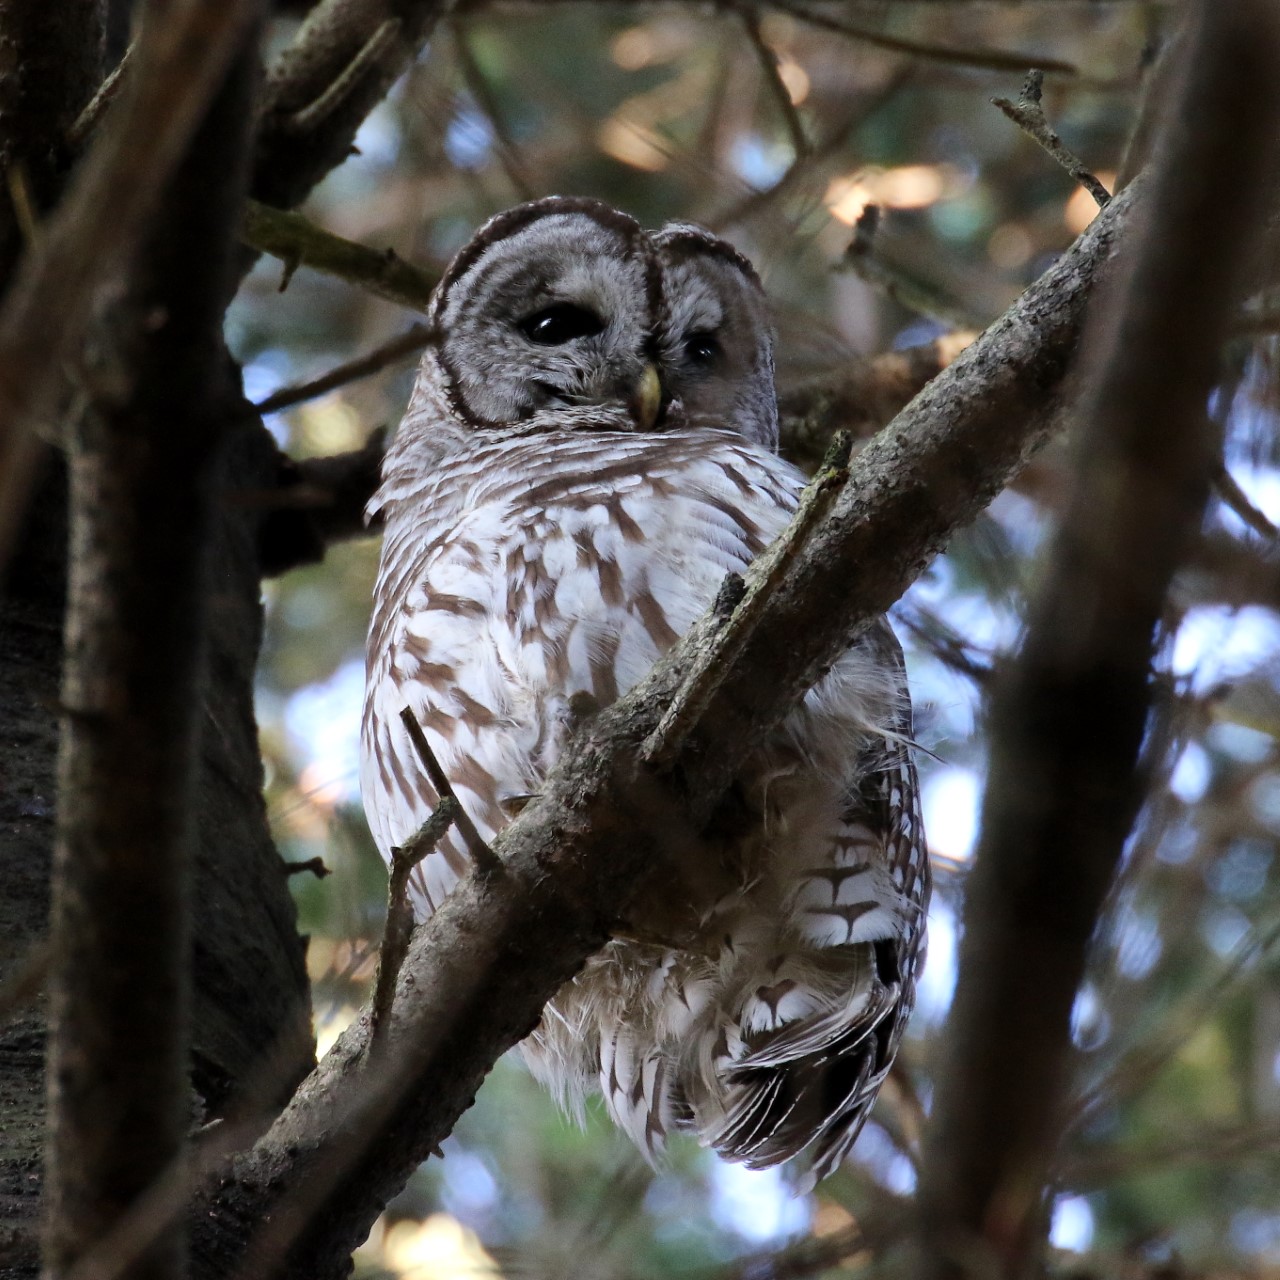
478 975
1068 721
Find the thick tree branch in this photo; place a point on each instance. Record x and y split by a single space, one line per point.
98 226
1068 721
51 68
478 976
143 459
50 65
346 56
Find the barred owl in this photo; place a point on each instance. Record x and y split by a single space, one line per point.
588 451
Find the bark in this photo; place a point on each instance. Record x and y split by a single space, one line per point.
142 462
478 975
50 64
248 973
1068 721
346 56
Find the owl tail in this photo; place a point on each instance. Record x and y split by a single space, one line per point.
795 1067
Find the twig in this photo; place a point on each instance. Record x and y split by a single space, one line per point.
340 89
1147 1058
859 397
946 644
778 90
88 119
1235 497
298 242
399 927
1029 116
894 280
314 865
740 608
751 203
993 59
1259 322
389 353
479 88
318 91
484 857
1094 1167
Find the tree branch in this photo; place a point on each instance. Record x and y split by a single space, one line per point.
1068 720
298 242
142 463
99 224
1028 114
345 57
478 975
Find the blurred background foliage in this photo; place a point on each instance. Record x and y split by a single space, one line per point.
776 128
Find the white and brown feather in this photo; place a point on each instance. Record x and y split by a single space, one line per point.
561 555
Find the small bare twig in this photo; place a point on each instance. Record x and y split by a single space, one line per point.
802 166
484 857
946 644
894 280
88 119
368 57
1029 116
1235 497
991 59
399 929
1145 1060
398 348
781 95
315 865
482 92
298 242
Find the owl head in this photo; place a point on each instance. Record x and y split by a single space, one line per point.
546 315
565 314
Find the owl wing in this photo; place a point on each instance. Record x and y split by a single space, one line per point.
805 1052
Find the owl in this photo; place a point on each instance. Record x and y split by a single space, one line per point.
589 449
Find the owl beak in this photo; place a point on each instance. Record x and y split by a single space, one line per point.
647 399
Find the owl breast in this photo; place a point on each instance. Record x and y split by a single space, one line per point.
539 577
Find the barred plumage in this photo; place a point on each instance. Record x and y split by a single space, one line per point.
546 546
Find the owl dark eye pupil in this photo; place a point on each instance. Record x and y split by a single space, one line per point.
701 348
560 323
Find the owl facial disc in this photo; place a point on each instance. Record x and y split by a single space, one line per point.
548 309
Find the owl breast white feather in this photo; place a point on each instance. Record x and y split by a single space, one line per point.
547 539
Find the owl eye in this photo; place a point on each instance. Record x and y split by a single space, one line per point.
701 348
560 323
